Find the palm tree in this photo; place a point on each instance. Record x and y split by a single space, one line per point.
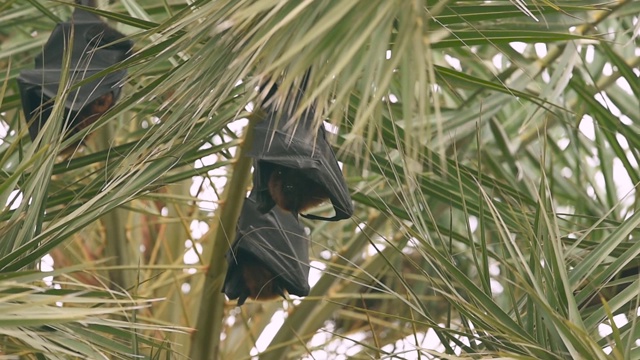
490 148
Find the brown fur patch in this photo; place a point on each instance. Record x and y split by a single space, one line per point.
90 113
293 191
260 281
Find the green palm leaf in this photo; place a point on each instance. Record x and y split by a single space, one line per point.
491 150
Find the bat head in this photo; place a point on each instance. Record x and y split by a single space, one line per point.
269 257
94 47
294 191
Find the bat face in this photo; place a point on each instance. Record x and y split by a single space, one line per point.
293 191
92 50
269 257
90 113
78 119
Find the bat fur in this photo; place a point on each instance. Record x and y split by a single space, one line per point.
293 191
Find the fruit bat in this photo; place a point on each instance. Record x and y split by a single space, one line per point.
269 256
95 47
295 167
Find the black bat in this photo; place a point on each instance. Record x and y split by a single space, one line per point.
269 256
295 167
95 47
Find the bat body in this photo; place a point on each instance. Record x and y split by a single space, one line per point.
295 167
94 48
269 257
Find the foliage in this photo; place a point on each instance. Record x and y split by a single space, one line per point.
491 149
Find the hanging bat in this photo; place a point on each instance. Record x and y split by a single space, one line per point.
269 257
95 47
295 167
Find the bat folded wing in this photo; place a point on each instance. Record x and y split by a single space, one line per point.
269 257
